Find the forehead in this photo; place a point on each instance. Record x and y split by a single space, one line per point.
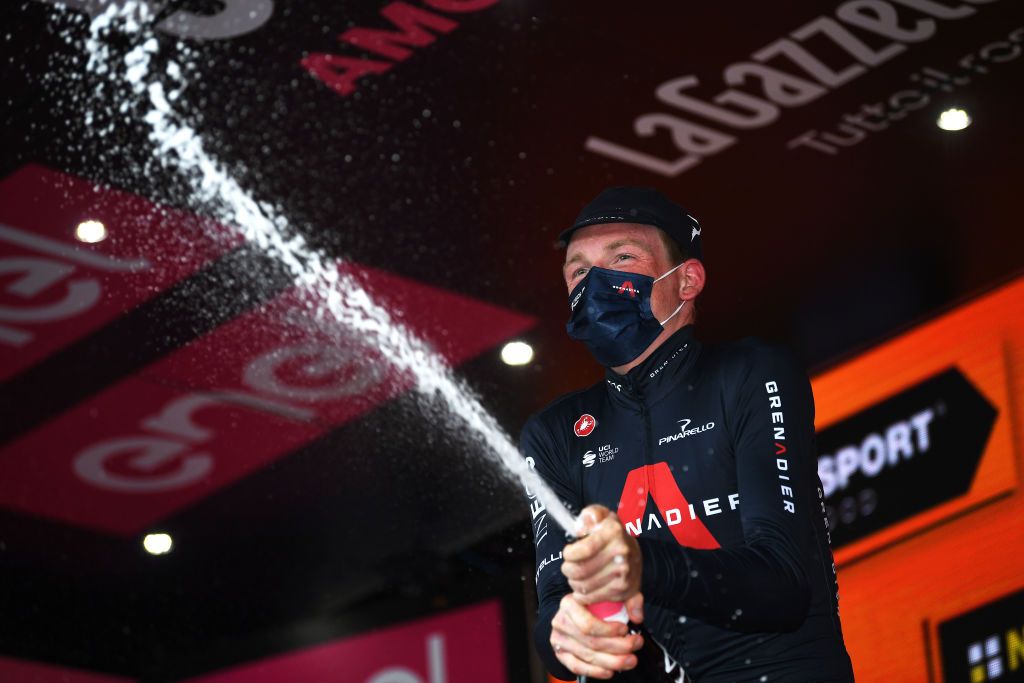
595 238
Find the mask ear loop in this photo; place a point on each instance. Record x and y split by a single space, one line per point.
668 272
678 308
662 323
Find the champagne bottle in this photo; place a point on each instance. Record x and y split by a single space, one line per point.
654 664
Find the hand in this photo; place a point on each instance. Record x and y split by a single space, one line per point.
589 646
606 563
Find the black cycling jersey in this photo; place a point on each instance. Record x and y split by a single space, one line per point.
707 454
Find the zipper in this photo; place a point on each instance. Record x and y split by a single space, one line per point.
645 417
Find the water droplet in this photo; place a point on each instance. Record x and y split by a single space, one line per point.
682 620
152 98
693 573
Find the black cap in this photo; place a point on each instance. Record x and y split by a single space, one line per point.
643 205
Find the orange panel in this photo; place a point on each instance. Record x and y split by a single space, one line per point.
896 584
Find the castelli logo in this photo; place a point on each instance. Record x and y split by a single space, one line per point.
584 425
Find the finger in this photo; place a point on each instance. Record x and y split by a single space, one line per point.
563 630
583 549
611 560
635 608
611 661
590 566
625 645
590 585
581 668
609 532
616 581
610 593
611 521
586 624
593 545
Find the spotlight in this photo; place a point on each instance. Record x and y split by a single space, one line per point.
517 353
953 119
157 544
91 232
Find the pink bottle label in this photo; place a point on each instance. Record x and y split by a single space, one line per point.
610 611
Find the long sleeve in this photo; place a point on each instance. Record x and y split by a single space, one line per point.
760 584
549 538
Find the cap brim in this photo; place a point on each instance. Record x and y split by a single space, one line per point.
566 235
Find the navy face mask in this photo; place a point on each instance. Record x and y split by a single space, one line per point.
610 312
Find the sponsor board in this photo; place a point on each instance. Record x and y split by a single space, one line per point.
984 644
24 671
758 90
227 404
460 646
55 288
904 455
917 430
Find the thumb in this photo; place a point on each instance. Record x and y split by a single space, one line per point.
635 607
590 517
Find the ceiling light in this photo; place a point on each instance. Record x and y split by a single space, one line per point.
91 232
953 119
157 544
517 353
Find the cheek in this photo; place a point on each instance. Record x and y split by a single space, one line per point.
664 301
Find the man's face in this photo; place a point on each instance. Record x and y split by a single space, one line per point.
624 246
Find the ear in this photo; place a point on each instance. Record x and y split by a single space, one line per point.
691 280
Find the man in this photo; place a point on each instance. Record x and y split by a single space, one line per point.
697 465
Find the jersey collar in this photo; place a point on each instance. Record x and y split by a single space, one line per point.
659 372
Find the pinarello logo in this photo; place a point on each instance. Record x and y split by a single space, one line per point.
627 288
584 425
